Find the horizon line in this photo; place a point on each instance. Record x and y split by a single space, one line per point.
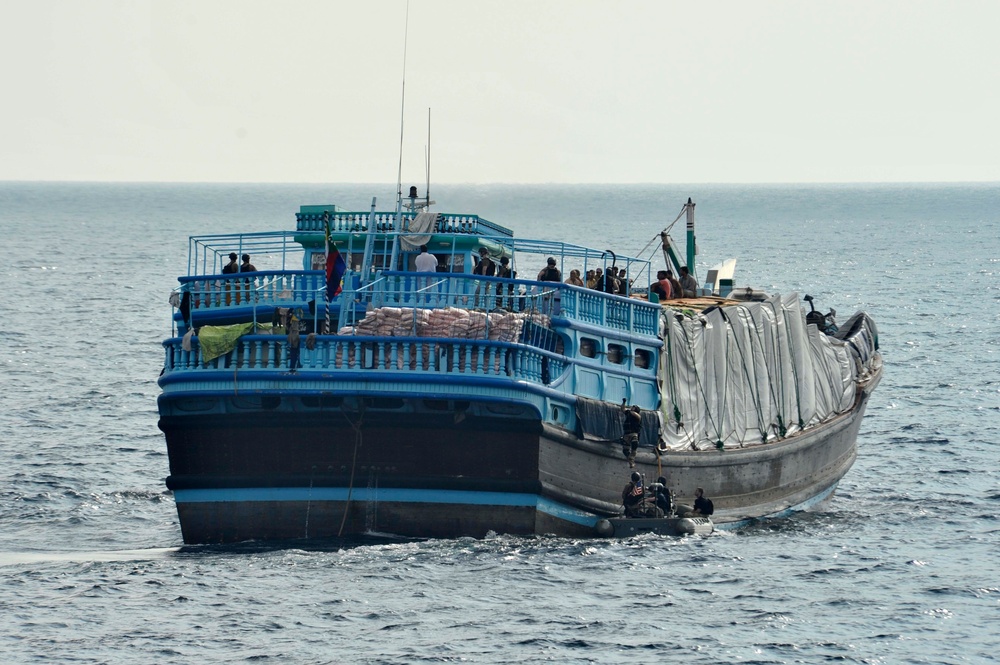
506 182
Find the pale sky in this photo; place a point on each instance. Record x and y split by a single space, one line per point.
523 91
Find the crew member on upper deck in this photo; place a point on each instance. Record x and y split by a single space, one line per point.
247 266
232 266
689 285
485 267
549 273
662 287
425 261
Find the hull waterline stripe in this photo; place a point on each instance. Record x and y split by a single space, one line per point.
458 497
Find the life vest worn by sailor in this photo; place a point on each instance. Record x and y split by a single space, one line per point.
632 494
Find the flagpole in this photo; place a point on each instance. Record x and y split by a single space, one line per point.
326 272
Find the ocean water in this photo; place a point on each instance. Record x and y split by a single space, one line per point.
901 566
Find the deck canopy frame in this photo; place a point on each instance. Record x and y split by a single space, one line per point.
592 258
207 254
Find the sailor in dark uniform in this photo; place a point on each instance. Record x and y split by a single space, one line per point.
702 504
662 493
632 427
632 495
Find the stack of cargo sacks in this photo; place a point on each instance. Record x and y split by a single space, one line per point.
338 359
508 328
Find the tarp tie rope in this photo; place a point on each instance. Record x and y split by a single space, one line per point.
701 389
754 393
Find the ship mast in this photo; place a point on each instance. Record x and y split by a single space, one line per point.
398 223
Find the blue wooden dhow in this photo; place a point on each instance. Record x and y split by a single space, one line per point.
297 403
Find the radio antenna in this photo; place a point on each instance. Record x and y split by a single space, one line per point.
427 160
402 106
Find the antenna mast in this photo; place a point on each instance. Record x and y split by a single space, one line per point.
398 223
427 159
402 107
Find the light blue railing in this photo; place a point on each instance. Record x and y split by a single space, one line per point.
407 355
427 290
266 287
385 222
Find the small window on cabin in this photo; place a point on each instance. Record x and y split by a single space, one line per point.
616 354
588 347
643 359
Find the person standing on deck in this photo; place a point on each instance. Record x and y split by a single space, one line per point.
551 303
228 269
425 261
505 272
608 282
232 266
623 283
549 273
574 278
485 267
247 285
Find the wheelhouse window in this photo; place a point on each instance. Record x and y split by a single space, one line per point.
643 358
616 354
588 347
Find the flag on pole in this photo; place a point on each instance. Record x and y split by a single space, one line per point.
335 264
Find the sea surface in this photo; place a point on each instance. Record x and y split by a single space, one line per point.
900 566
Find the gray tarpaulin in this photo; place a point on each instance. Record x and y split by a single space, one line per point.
423 225
747 373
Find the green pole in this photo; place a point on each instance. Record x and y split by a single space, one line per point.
690 237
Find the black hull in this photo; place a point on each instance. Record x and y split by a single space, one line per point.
284 475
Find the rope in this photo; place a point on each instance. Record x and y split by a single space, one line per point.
795 373
770 383
309 498
657 237
357 444
782 430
